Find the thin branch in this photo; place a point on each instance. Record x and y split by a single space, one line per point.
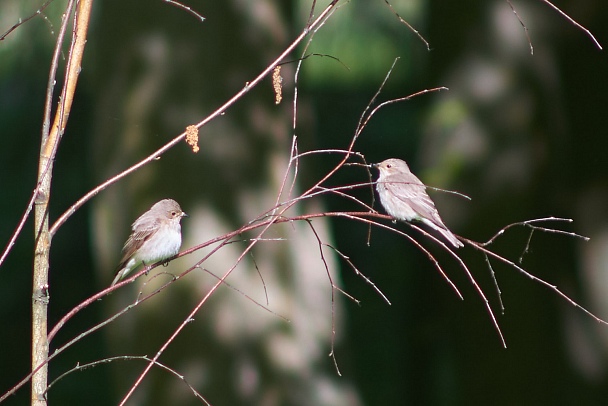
246 296
248 86
276 214
527 246
46 123
23 21
319 20
361 124
398 100
360 274
365 217
470 276
361 216
255 264
293 152
453 192
188 9
567 17
493 274
80 368
426 43
306 56
481 247
324 190
531 224
332 353
523 25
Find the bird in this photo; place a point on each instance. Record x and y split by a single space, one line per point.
156 235
404 197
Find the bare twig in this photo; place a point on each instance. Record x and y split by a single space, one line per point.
275 215
498 292
398 100
426 43
359 273
318 21
332 353
364 118
255 264
248 86
306 56
469 275
365 217
23 21
80 368
362 217
531 224
580 27
246 296
46 124
453 192
523 26
527 246
188 9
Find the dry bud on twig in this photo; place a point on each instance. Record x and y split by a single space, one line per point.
192 137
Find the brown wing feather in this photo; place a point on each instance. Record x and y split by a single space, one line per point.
143 228
414 195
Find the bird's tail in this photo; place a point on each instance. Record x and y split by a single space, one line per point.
446 233
122 272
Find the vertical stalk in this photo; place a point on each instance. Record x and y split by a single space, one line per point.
40 298
49 144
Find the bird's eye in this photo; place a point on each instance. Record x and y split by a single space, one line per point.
173 213
389 165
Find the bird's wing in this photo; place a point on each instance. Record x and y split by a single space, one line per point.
411 191
143 228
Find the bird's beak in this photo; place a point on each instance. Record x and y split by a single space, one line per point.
184 214
374 165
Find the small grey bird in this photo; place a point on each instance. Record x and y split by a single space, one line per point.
156 235
404 197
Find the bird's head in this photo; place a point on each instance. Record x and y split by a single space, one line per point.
392 165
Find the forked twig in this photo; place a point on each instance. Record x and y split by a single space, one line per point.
218 112
245 295
469 275
46 123
93 364
360 274
23 21
481 247
277 215
531 224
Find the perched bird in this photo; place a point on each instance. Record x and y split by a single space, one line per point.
156 235
404 197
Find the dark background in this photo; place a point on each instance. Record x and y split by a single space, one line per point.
523 135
